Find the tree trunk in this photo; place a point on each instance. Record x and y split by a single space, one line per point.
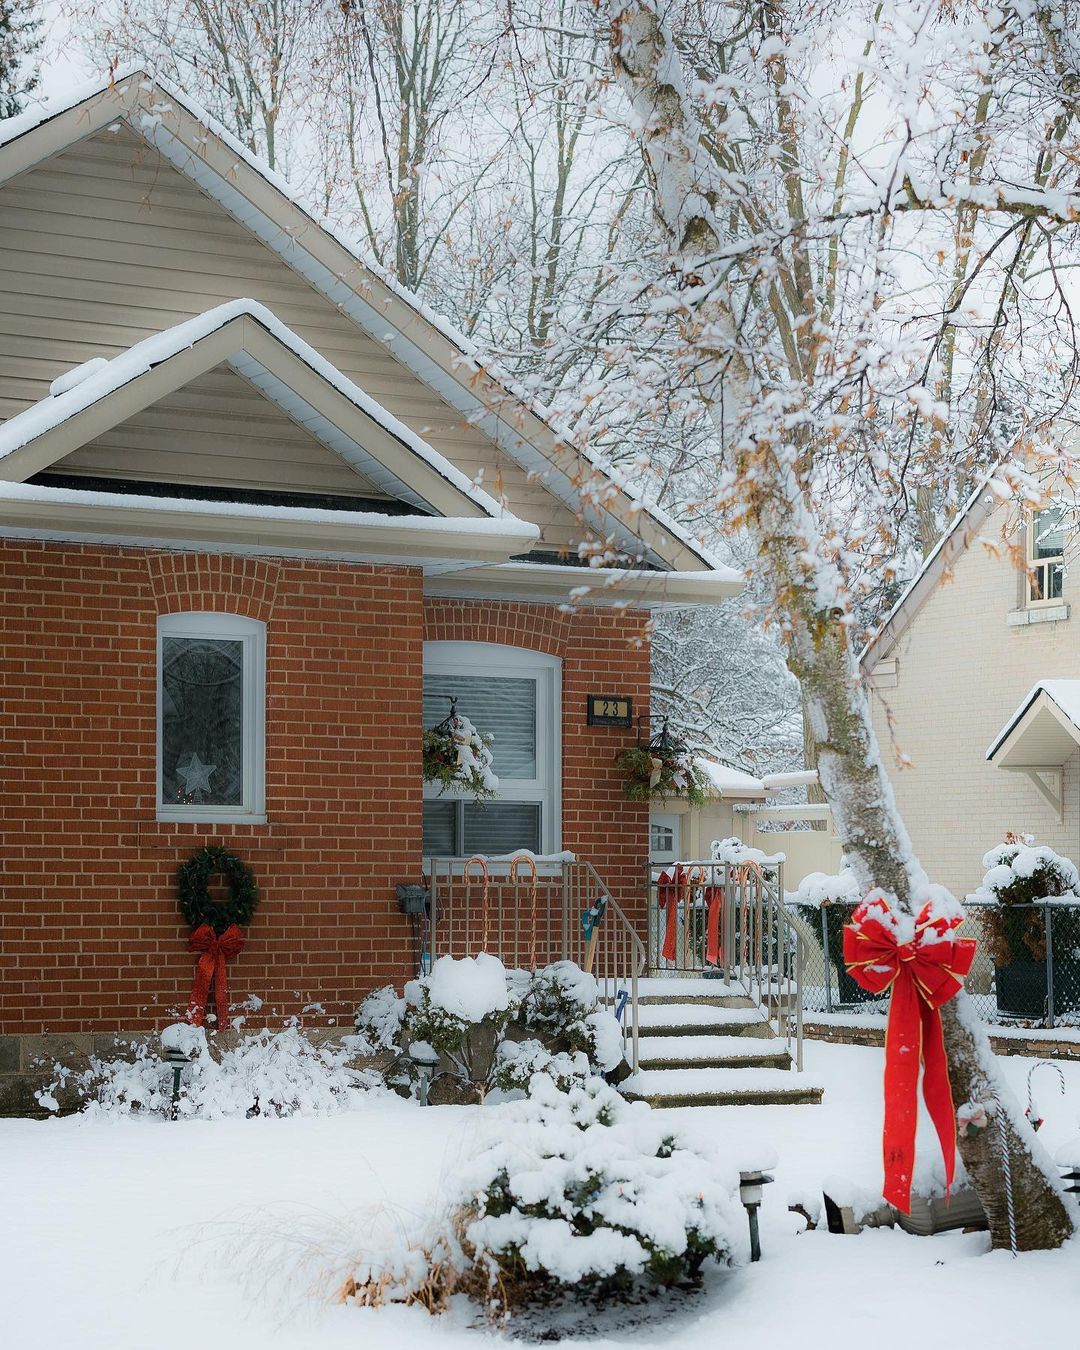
793 556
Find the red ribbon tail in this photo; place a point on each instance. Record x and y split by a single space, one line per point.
200 990
668 949
221 992
712 953
937 1092
903 1055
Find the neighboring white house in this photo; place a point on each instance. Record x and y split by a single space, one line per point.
976 689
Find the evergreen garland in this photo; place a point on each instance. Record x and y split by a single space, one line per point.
677 775
192 885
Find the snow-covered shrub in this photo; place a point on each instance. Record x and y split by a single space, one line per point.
273 1073
1021 877
587 1192
464 1008
563 1001
735 853
517 1061
378 1021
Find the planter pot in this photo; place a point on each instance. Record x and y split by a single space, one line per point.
1021 988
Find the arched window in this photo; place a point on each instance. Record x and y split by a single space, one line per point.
211 683
513 695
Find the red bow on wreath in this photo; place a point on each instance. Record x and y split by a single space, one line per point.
210 972
923 972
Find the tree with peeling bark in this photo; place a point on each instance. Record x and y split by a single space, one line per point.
845 301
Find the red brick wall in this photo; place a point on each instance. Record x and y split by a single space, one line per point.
90 935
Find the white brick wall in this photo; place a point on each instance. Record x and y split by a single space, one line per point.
961 672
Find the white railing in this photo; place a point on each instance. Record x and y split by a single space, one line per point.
529 913
728 920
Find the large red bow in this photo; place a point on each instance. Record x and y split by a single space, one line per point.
923 973
211 970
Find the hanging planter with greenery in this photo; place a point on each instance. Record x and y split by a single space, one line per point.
660 770
458 756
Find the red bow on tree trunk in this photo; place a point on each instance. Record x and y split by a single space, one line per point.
923 971
210 972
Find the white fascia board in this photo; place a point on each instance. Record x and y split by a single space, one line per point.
542 583
30 511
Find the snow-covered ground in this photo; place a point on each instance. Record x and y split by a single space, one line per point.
127 1234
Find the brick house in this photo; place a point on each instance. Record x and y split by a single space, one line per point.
260 513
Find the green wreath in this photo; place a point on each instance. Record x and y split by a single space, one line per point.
192 884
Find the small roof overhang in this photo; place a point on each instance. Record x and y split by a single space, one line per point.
729 783
99 395
1043 732
433 543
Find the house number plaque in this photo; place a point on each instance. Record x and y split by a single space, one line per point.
610 710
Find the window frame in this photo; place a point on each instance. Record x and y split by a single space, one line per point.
1044 565
666 820
496 659
251 633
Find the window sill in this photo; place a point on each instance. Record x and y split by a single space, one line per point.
208 818
1021 618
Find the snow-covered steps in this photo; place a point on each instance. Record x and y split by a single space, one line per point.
692 990
713 1052
721 1087
701 1019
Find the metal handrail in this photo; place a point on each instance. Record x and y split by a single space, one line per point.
761 951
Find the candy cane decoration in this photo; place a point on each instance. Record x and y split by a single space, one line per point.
476 858
749 871
529 862
694 876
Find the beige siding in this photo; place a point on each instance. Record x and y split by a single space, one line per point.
106 244
222 431
961 671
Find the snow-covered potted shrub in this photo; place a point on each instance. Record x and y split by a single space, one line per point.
456 755
827 903
1022 880
661 770
587 1194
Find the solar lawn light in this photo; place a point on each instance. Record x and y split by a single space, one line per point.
426 1059
751 1185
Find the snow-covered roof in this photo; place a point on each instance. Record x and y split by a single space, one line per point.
88 385
444 359
726 781
1043 731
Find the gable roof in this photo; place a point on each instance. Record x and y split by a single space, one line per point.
99 394
209 156
1043 731
963 528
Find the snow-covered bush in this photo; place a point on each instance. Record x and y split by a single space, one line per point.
1020 878
465 1007
585 1191
273 1073
378 1021
564 1001
735 853
516 1062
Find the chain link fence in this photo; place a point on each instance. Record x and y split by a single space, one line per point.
1026 970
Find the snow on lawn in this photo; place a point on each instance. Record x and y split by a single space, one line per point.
126 1234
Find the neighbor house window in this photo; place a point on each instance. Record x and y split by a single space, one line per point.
512 695
1046 555
210 717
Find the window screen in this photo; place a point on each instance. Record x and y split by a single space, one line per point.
202 710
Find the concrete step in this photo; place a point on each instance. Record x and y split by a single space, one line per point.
714 1052
701 1019
721 1087
687 989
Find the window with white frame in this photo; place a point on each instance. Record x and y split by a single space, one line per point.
1046 556
513 696
211 682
